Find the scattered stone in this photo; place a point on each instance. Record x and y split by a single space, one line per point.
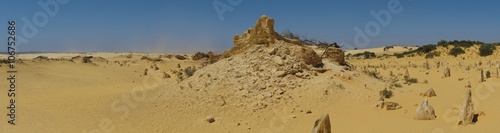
467 110
447 72
280 74
166 75
210 119
322 125
278 60
425 111
155 67
380 102
428 93
145 72
308 111
392 105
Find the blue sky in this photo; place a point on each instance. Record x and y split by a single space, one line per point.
188 25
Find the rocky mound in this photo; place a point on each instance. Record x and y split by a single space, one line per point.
263 34
258 70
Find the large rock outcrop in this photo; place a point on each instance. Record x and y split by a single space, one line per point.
425 111
467 110
322 125
263 34
260 69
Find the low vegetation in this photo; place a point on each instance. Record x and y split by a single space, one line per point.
486 49
386 93
432 54
409 80
456 51
366 55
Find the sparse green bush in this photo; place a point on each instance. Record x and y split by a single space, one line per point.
399 55
180 76
386 93
443 43
432 54
189 71
486 49
456 51
366 54
427 48
409 80
374 74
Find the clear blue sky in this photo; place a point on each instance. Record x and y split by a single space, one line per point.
188 25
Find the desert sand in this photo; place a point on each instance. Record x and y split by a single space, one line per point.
261 85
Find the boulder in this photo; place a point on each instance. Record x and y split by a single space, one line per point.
425 111
322 125
210 119
428 93
467 110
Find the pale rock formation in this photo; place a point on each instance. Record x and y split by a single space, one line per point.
467 110
425 111
428 93
447 72
322 125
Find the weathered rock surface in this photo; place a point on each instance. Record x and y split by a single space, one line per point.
210 119
428 93
263 34
336 54
467 110
322 125
425 111
261 62
447 72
